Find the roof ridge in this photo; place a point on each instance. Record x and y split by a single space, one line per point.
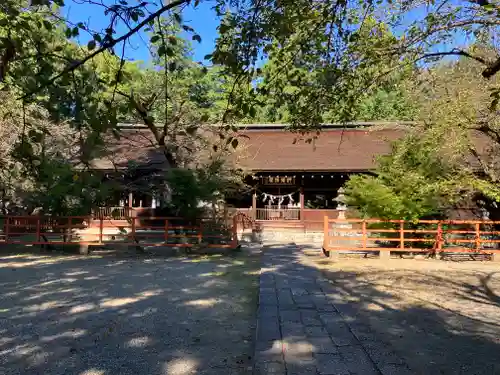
351 124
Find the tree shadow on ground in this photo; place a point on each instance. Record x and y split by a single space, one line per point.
378 322
112 315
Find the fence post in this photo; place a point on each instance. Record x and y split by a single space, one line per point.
166 231
326 235
69 229
101 228
401 234
364 234
235 232
200 233
478 236
133 228
7 220
38 229
439 237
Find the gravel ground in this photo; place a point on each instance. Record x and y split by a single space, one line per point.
114 315
440 317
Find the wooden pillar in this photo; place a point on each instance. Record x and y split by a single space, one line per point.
254 205
301 199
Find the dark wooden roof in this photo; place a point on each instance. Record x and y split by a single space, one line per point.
272 148
332 150
133 148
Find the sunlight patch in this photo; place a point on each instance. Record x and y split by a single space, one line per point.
138 342
212 274
93 371
75 273
207 302
37 261
252 273
68 334
181 366
82 308
44 306
269 269
116 302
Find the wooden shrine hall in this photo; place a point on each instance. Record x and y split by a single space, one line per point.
293 177
296 177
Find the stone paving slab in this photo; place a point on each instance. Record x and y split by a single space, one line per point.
306 327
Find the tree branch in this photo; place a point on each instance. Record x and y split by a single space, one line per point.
455 52
108 45
149 122
492 69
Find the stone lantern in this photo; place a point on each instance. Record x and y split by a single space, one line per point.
341 206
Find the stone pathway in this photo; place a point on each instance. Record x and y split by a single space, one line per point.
305 326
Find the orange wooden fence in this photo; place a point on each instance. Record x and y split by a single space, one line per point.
432 236
143 231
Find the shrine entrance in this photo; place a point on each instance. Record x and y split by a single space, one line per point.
279 204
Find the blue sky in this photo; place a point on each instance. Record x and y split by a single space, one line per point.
202 20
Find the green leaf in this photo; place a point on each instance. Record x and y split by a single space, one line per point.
208 57
197 38
161 50
177 17
155 38
68 33
97 38
47 25
169 52
75 32
91 45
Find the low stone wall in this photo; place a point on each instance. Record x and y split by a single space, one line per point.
275 235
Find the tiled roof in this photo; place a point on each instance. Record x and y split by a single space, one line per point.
333 150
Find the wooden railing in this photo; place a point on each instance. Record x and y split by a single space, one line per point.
275 213
431 236
118 213
143 231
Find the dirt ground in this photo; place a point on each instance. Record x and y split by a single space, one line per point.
442 317
105 315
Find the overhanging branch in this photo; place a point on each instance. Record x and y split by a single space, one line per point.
491 69
455 52
108 45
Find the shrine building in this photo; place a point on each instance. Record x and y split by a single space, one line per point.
293 177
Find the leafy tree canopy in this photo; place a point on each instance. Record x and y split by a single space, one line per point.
329 60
